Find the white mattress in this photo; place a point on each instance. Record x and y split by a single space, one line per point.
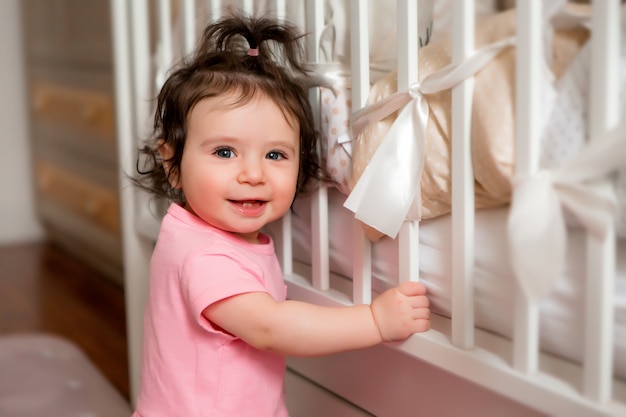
561 313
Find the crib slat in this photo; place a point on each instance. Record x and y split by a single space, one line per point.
285 244
320 243
361 267
407 41
359 49
407 46
528 76
319 202
189 25
408 252
462 184
280 7
215 8
141 66
165 36
526 334
604 115
527 130
314 26
248 7
132 59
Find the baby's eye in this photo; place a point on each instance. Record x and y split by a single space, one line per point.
224 153
275 155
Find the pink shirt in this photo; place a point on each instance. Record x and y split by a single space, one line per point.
189 367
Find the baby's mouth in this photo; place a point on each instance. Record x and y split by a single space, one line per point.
248 203
249 207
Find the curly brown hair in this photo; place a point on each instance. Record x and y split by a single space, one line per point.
221 65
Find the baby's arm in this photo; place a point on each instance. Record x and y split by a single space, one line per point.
302 329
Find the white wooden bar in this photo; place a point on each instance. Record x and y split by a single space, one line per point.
285 244
319 203
408 255
248 7
407 43
359 46
141 65
164 28
462 183
280 7
527 131
189 25
130 24
216 8
407 46
603 116
359 52
314 25
320 243
314 22
362 267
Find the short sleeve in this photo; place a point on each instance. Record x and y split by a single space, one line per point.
210 277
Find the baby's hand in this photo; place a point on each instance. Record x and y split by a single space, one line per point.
401 311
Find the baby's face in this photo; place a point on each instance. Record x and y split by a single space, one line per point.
240 164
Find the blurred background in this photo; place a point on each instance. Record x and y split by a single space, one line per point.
18 221
60 244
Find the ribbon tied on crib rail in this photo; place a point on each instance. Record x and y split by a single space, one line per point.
388 191
537 232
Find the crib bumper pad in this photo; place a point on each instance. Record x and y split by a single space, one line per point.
492 66
537 230
393 174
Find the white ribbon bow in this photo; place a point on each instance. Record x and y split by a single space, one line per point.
536 228
388 190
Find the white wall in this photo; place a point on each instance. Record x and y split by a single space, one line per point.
18 221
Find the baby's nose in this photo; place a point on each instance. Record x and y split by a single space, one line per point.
252 171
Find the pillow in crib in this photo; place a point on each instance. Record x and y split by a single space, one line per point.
335 44
336 105
492 131
568 128
442 15
335 110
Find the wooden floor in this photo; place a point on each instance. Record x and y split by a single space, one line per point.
43 289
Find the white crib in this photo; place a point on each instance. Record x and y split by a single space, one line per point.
459 367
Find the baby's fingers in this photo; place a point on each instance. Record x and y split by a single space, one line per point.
421 325
421 314
420 301
411 288
421 319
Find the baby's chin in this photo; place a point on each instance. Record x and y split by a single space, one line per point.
242 230
252 237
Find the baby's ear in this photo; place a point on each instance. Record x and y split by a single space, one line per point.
166 152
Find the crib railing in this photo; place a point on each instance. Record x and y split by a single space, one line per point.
597 379
604 116
529 55
511 368
597 376
462 184
462 332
